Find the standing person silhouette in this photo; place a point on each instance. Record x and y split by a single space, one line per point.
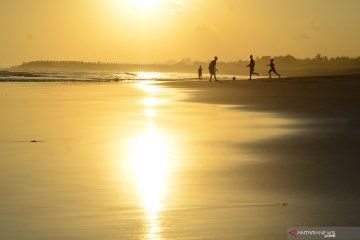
212 69
272 68
200 72
252 67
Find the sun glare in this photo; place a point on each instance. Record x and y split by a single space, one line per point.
146 4
150 158
150 163
149 88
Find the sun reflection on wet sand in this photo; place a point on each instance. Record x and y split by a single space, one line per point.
148 87
153 226
152 150
152 101
150 113
150 163
150 167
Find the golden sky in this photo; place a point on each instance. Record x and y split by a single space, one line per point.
151 31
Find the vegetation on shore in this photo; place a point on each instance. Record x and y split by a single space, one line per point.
286 64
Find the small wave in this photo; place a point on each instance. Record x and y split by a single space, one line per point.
19 74
56 76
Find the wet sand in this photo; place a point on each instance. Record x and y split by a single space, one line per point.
180 160
321 96
327 107
321 160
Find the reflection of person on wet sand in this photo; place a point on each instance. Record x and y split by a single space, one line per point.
272 68
200 72
212 69
252 67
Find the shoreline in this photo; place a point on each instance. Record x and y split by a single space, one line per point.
322 96
317 96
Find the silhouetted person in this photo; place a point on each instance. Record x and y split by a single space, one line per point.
200 72
272 68
212 69
252 67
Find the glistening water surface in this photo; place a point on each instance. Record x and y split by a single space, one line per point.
132 161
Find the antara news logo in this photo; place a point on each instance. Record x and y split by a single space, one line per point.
300 234
293 233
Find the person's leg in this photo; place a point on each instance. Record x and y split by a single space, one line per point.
215 77
270 73
277 73
210 77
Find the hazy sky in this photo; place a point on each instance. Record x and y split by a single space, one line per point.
160 30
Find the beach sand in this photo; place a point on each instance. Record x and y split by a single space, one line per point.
178 160
325 152
320 161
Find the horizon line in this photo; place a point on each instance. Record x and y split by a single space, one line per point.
185 61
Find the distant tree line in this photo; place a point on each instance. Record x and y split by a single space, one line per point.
287 65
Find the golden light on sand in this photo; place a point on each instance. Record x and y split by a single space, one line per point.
147 87
150 163
151 90
152 101
150 113
153 227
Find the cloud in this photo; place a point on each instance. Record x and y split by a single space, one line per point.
176 6
179 6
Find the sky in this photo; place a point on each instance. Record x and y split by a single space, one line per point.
159 31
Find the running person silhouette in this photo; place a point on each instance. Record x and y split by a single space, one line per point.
252 67
212 69
272 68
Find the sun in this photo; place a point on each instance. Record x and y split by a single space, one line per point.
146 4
